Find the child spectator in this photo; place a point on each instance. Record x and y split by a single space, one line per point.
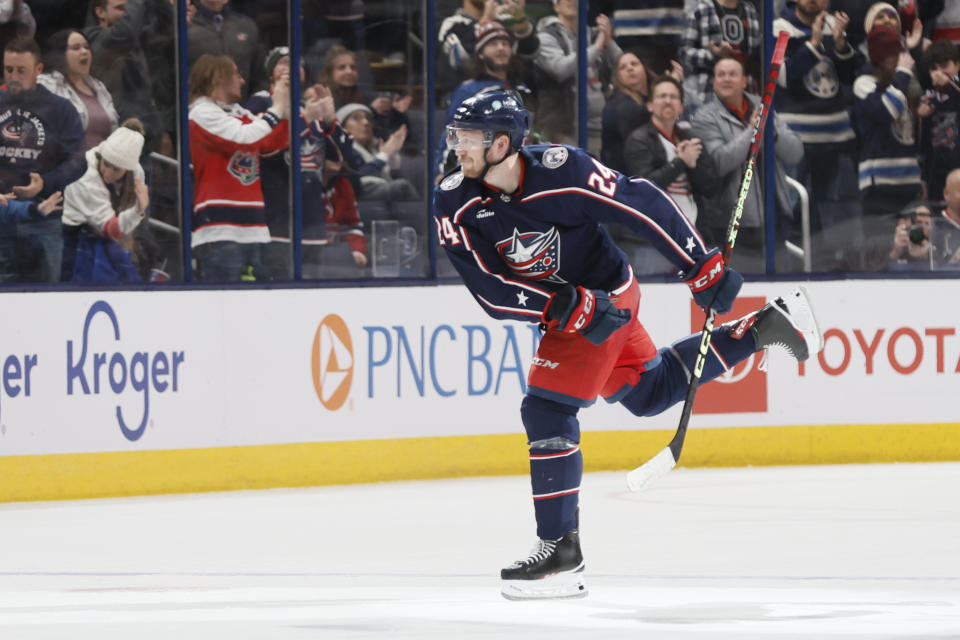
342 215
20 210
104 207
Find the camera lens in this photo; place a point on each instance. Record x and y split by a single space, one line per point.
917 234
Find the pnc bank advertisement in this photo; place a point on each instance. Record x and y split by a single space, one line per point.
120 371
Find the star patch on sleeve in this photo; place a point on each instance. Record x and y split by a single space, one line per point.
521 299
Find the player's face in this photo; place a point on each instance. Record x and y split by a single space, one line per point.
729 82
470 150
344 72
632 73
20 71
78 55
666 104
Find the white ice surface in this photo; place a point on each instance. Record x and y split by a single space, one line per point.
868 551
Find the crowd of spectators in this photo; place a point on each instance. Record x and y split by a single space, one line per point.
866 108
866 123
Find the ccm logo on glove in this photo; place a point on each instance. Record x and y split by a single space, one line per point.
585 311
713 268
713 285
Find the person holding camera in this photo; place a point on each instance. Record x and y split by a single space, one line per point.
911 239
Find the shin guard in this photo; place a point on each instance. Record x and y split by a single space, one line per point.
555 475
556 464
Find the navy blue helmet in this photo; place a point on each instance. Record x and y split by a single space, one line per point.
491 112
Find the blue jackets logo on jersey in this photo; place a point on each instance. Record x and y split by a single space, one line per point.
533 255
13 131
822 81
554 157
245 167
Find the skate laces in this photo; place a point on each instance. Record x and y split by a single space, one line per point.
541 551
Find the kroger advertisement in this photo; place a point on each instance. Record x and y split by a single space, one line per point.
118 371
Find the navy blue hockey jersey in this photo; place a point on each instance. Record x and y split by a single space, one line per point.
515 250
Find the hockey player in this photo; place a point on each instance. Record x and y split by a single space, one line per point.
521 225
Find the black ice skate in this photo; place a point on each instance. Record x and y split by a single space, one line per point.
787 322
554 569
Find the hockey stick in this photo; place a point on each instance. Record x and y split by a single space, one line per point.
667 459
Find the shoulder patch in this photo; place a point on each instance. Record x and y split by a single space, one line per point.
452 181
554 157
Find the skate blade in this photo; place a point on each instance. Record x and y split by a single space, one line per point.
564 585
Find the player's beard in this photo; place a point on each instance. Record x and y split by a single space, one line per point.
477 169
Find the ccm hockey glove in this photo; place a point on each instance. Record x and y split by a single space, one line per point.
713 285
587 311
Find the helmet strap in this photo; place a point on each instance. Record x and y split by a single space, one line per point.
487 164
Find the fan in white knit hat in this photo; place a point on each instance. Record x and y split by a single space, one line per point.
122 149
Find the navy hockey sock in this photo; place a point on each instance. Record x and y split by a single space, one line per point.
666 384
725 351
556 464
555 476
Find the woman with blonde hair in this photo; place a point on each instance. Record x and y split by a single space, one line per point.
102 209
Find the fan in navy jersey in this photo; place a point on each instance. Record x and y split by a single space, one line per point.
522 227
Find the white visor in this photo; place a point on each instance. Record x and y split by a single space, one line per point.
467 139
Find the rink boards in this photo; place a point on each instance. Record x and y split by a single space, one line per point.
124 393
